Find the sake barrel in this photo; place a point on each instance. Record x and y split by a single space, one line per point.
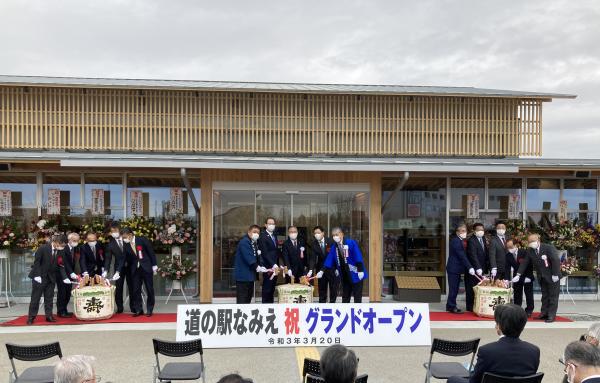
94 302
294 293
487 298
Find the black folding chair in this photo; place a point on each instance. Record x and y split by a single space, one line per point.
488 377
40 374
317 379
312 367
362 378
444 370
181 370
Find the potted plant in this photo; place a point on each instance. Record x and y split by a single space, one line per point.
176 269
9 237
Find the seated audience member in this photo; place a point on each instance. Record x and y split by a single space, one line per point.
75 369
592 336
582 363
338 364
233 378
509 356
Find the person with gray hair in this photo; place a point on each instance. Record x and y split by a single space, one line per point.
592 336
582 362
339 364
76 369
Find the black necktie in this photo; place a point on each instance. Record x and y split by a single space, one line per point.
53 256
120 244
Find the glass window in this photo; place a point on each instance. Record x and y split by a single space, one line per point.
580 194
22 187
156 194
499 190
542 194
462 187
70 192
113 193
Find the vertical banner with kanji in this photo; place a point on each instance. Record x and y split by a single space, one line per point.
294 325
53 203
176 201
5 203
513 206
136 202
473 206
97 201
562 211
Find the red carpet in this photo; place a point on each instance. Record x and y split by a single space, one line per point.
172 317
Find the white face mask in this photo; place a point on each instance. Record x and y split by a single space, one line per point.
534 245
115 235
271 228
92 243
318 236
337 238
501 231
254 236
126 240
293 236
479 233
462 235
73 244
59 248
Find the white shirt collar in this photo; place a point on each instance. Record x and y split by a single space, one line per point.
590 377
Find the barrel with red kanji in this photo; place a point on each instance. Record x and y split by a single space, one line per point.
294 293
94 302
487 298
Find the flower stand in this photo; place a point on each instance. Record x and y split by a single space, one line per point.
5 276
176 285
564 287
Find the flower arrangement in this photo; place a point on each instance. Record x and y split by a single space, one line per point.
517 231
589 236
568 266
564 236
97 226
141 227
9 236
175 232
40 232
176 268
596 271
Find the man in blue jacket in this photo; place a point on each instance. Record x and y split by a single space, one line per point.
246 265
347 261
457 264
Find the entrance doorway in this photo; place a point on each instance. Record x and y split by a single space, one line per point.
303 206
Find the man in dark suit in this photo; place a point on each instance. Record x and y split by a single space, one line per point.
477 253
46 266
582 362
319 248
142 266
295 256
63 293
458 264
497 252
116 250
509 356
246 265
514 257
546 262
268 258
91 260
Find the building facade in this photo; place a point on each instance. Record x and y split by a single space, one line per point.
396 167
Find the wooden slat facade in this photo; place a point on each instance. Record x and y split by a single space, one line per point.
267 123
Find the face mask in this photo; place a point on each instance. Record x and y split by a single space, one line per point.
462 235
115 235
500 231
337 238
126 240
271 228
254 236
318 237
293 236
59 248
73 244
479 233
534 245
92 243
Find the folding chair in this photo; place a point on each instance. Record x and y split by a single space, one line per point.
40 374
488 377
182 370
361 378
444 370
312 367
314 379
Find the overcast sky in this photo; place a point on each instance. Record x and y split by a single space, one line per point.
545 45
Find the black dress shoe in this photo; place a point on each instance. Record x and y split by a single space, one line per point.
120 311
149 314
455 310
137 314
30 321
50 319
541 317
68 313
65 315
549 320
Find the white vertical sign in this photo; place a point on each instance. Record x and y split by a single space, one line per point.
137 202
513 206
176 201
5 203
53 203
473 206
97 201
562 211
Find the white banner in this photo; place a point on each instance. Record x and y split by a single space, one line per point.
97 201
137 202
562 211
513 206
295 325
473 206
53 203
176 201
5 203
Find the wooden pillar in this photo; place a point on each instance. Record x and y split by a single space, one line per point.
375 238
206 237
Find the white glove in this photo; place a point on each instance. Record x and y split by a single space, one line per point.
116 276
309 274
104 273
320 274
555 278
261 269
275 267
472 271
154 269
38 279
527 280
67 281
479 272
361 275
290 274
337 273
494 272
73 276
516 278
